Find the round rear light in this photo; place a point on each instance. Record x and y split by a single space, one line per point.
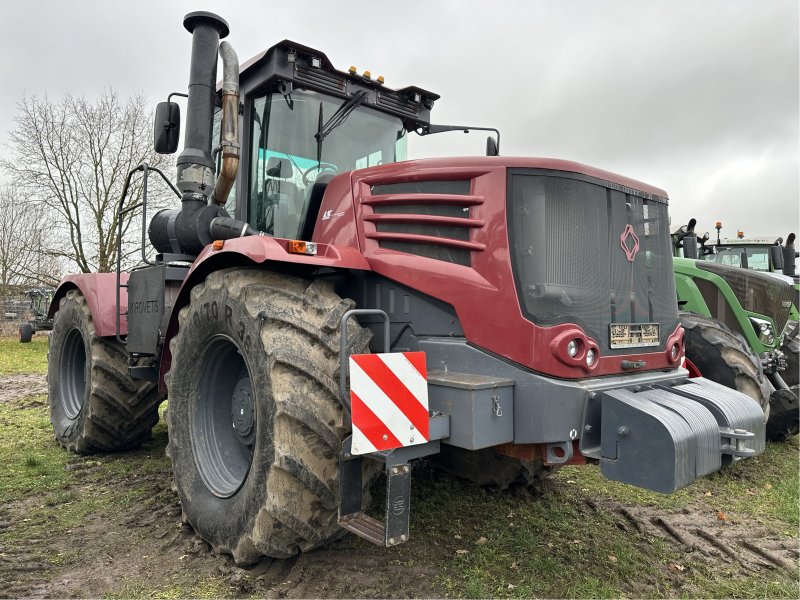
675 352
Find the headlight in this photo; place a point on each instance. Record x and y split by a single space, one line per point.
572 348
763 330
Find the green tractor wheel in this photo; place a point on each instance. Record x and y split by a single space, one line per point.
723 356
791 348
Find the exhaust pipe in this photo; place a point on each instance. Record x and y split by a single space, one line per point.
229 127
195 165
201 219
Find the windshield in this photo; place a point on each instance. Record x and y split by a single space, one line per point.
757 257
287 155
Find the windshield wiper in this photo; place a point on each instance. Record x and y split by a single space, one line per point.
340 116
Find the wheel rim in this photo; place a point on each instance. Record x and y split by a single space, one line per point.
224 420
72 373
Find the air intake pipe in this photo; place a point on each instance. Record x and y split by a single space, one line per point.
201 218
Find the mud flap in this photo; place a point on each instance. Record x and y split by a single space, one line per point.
662 438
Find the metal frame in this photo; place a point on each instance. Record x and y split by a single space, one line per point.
145 169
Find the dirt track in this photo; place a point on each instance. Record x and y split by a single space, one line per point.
147 542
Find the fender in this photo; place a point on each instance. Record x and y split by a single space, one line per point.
100 291
264 251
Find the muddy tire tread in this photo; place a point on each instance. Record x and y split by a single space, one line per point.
723 355
120 412
298 325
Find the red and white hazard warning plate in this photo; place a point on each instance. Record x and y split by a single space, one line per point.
389 401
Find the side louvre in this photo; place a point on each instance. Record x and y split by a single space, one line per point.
426 218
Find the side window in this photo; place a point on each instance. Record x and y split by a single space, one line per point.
375 158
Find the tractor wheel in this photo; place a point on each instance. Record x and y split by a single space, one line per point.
25 333
94 404
723 356
487 468
255 423
784 420
791 348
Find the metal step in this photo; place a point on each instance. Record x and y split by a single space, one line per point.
364 526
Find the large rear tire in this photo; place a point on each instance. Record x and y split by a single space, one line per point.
94 404
255 424
723 356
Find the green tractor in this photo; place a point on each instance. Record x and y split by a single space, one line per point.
758 254
738 327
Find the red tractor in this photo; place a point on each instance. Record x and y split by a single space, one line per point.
521 313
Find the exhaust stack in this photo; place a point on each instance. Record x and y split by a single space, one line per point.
201 218
195 165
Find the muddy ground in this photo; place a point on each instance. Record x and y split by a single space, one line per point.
116 552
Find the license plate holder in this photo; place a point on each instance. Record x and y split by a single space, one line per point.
633 335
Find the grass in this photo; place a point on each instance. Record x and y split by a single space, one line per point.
16 358
483 543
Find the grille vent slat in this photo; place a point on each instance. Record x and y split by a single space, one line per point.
320 78
430 219
398 104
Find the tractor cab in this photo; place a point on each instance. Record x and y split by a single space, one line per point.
302 122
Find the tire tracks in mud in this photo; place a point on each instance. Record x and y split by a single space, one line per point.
710 539
18 386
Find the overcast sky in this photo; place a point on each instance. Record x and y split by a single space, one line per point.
699 97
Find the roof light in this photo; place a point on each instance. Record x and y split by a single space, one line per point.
301 247
380 79
291 56
367 74
316 62
352 70
417 97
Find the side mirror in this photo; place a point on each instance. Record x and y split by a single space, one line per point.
690 246
776 257
167 127
491 147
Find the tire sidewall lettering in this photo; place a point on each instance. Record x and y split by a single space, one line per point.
209 318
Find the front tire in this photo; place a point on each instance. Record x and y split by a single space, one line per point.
723 356
94 404
791 348
255 424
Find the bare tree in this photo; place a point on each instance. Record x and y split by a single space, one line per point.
72 158
24 255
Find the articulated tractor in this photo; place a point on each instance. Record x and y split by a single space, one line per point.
320 310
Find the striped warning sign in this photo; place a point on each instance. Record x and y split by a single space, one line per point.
389 401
